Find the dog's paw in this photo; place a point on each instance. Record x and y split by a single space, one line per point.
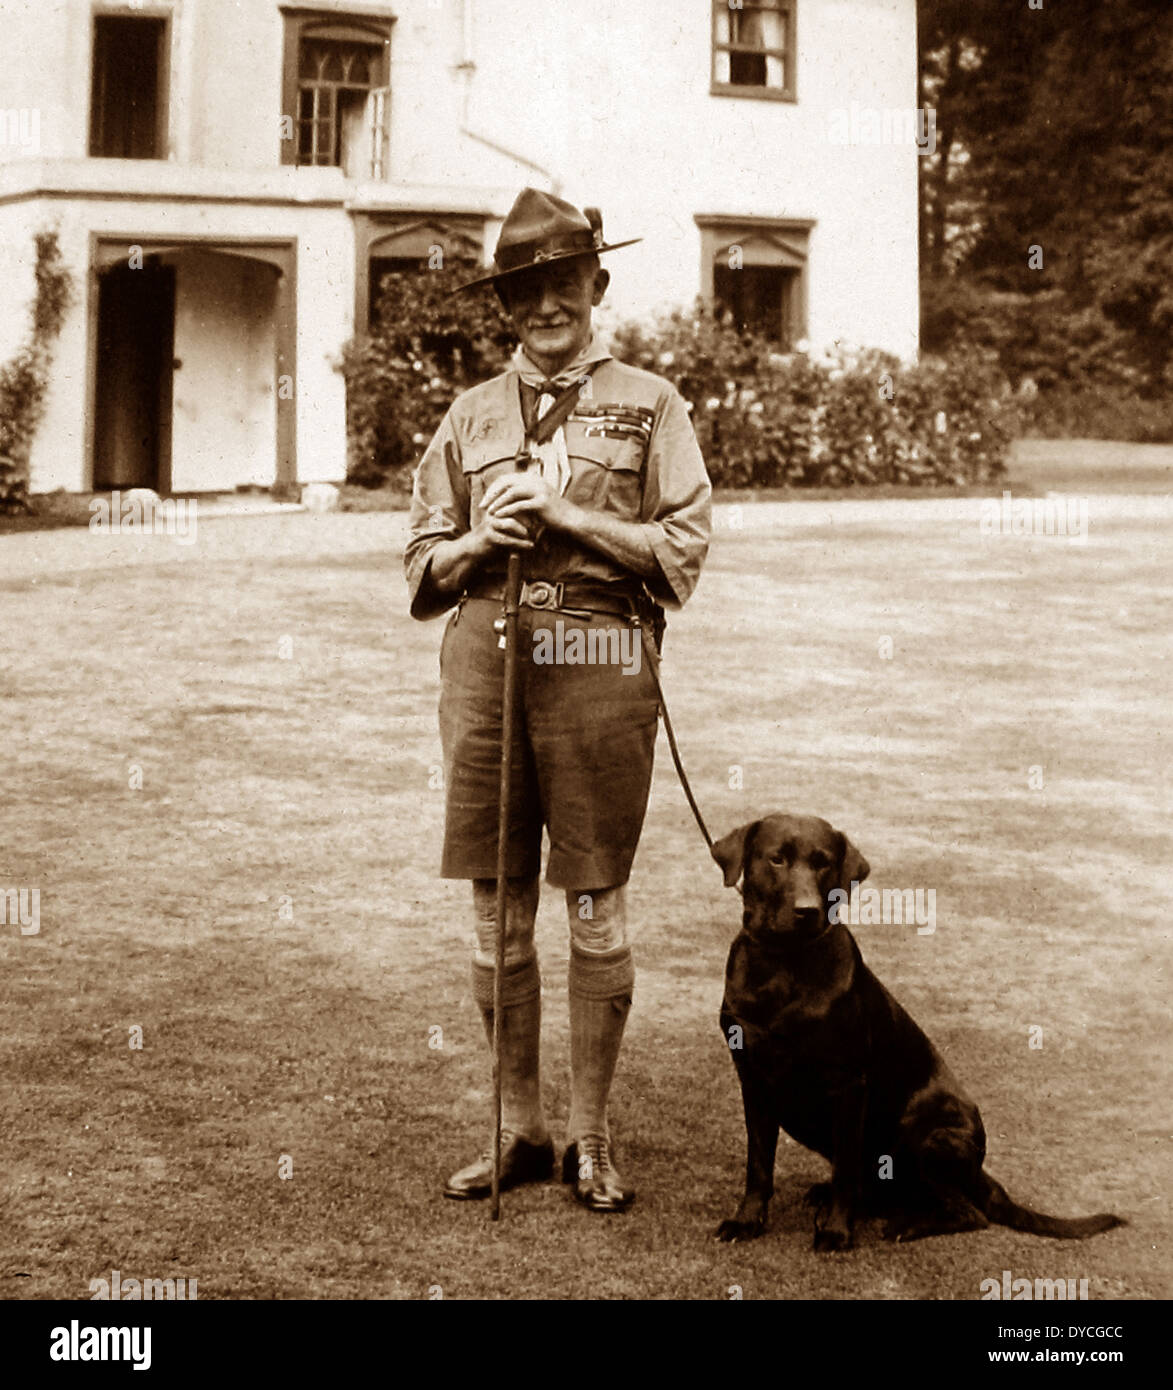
831 1238
735 1230
818 1195
901 1232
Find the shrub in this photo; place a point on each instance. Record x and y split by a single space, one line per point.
1076 370
425 349
770 419
24 378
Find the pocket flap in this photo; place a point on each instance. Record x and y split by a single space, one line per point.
611 450
475 458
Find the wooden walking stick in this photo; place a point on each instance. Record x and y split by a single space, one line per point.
543 430
508 640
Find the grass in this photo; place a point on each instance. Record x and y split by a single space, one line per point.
265 908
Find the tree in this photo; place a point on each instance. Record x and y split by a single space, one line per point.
1055 131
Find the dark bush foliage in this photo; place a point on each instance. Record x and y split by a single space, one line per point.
427 347
1076 373
769 419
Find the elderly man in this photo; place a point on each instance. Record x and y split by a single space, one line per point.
612 516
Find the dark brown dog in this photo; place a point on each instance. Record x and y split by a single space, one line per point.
823 1051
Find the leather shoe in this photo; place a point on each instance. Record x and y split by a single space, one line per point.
521 1161
587 1164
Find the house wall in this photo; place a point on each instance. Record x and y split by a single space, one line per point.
17 284
611 106
52 46
633 129
59 444
325 289
608 106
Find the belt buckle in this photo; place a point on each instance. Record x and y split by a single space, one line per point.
541 594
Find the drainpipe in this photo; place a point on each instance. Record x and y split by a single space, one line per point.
467 68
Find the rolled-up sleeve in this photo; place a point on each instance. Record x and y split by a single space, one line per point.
439 512
677 513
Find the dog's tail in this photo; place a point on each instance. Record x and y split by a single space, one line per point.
1004 1212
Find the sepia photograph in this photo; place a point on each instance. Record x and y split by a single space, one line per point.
585 668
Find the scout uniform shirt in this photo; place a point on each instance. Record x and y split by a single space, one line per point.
632 453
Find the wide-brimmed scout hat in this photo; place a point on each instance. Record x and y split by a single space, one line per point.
541 228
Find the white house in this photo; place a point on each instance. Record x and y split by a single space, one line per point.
227 178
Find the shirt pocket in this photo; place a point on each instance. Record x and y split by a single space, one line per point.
607 472
482 465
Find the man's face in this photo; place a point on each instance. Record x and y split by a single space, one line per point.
550 308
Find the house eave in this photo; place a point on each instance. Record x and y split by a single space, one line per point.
143 180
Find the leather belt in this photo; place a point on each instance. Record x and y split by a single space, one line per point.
544 594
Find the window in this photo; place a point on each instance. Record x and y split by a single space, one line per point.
128 88
335 81
337 100
753 48
756 269
758 297
408 242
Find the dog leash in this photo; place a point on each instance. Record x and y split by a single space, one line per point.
654 663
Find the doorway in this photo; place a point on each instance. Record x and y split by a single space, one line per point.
136 332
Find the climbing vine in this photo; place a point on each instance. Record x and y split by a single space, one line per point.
24 378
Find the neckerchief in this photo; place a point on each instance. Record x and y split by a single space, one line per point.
554 458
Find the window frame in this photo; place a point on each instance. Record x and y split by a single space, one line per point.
785 243
163 13
355 25
789 56
409 235
326 96
778 300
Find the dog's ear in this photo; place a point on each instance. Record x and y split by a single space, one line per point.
729 851
853 867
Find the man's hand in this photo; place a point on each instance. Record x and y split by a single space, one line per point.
453 562
527 494
513 498
495 531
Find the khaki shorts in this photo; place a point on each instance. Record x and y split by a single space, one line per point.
584 742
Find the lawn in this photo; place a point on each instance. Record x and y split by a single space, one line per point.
264 907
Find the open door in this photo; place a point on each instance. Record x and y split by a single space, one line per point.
132 417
